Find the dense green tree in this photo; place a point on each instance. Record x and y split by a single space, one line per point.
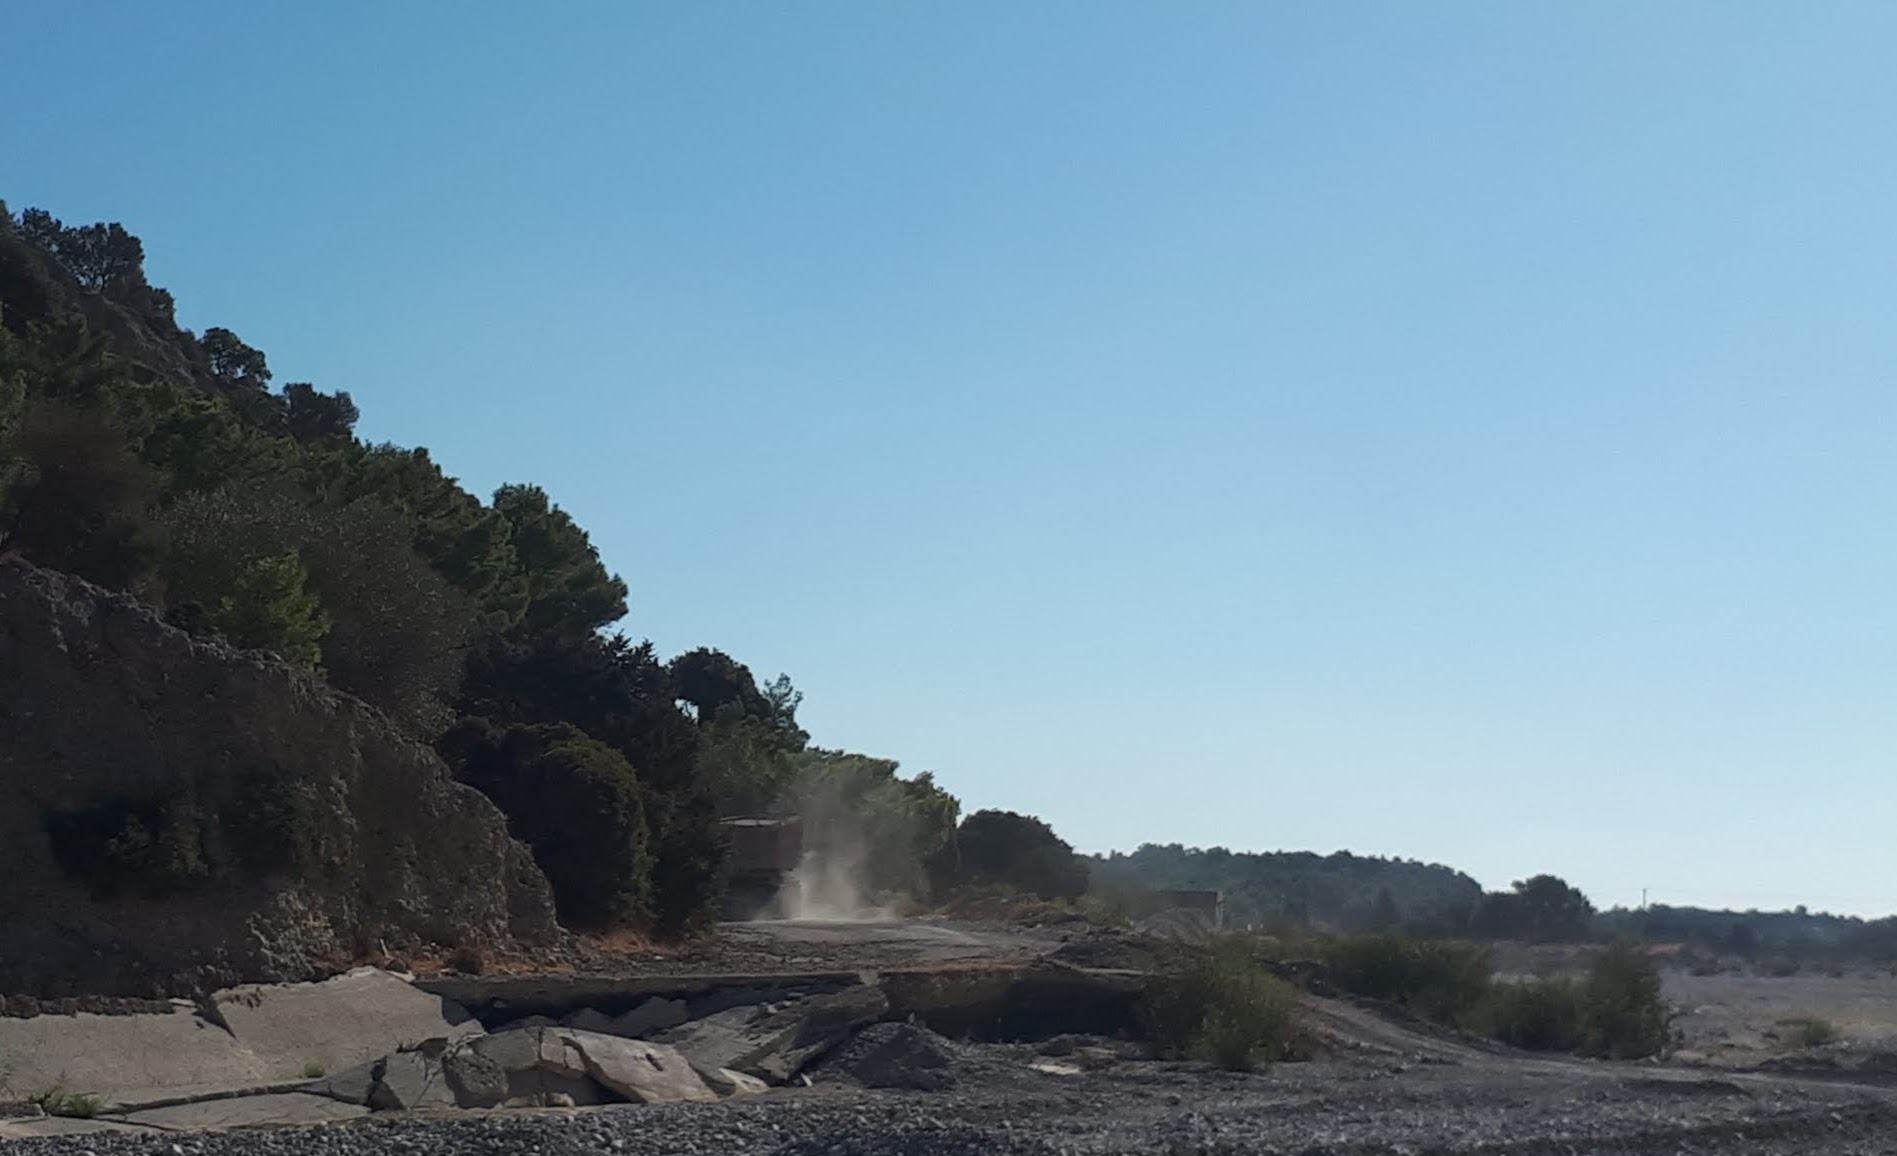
82 500
1541 909
398 635
577 804
232 360
1010 850
467 543
102 255
569 591
269 607
311 415
863 815
719 687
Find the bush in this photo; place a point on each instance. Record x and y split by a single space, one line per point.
61 1102
1622 1014
1219 1003
254 824
1439 981
1808 1032
1542 1015
577 804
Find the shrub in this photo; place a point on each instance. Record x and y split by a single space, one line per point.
258 823
1808 1032
1440 981
577 803
1219 1003
60 1102
1539 1014
1622 1014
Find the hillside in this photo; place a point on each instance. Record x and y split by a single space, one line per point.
165 465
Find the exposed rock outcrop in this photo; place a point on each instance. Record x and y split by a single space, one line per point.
180 816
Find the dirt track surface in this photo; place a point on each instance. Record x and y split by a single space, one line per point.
1381 1087
768 946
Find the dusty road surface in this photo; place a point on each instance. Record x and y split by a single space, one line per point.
773 946
1378 1087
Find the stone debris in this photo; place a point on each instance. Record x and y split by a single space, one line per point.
899 1056
774 1042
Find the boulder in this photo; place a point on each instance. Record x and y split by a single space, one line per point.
325 830
645 1073
542 1062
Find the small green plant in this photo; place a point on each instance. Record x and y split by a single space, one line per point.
1217 1002
1808 1031
58 1101
314 1071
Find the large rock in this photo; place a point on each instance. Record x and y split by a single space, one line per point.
645 1073
336 1024
775 1043
539 1062
290 825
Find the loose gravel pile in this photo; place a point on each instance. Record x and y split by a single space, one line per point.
997 1106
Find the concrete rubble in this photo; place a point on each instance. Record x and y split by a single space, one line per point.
372 1041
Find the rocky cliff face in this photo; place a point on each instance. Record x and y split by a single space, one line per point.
177 815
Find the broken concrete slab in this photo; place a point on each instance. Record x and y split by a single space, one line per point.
532 1049
477 1081
352 1086
506 999
776 1044
27 1129
110 1055
654 1015
643 1072
284 1108
338 1023
589 1020
409 1082
726 1082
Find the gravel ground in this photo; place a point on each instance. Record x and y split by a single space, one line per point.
1435 1100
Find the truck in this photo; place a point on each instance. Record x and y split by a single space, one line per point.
765 852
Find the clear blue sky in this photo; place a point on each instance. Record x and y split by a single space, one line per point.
1454 431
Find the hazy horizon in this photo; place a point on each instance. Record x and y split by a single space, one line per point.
1456 432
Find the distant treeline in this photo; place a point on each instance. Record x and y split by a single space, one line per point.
1346 893
1797 933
